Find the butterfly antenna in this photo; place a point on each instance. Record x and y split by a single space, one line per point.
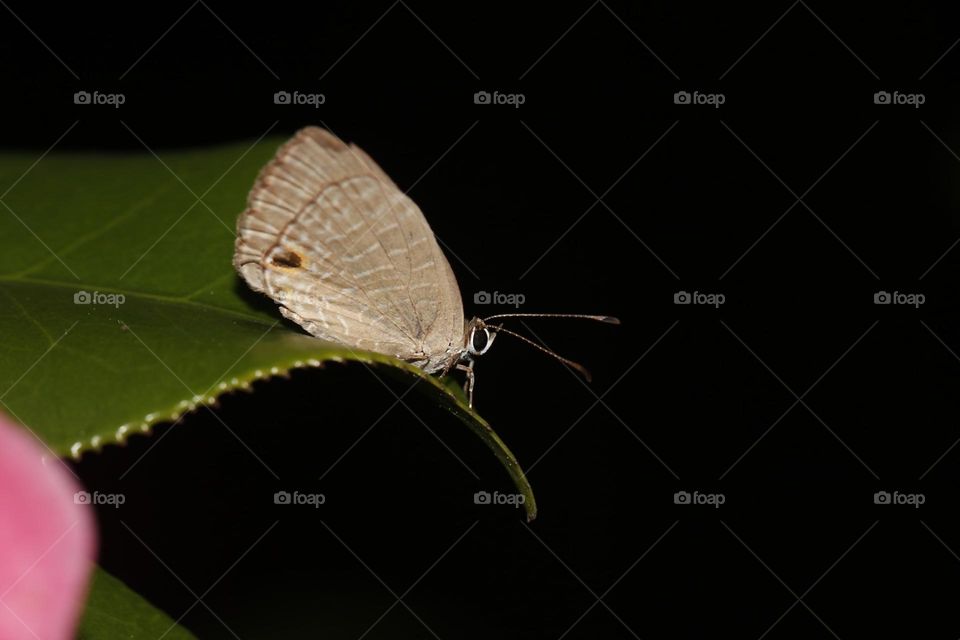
607 319
576 365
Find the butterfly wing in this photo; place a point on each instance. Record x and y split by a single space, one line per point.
346 254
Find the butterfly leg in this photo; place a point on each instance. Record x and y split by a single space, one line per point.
468 383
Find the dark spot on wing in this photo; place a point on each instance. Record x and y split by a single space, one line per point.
286 259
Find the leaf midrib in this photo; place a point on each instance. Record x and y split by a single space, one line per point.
157 297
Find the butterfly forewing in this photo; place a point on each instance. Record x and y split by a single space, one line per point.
349 257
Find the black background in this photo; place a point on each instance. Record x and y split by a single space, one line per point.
797 199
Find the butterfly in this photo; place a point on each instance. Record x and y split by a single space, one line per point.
350 258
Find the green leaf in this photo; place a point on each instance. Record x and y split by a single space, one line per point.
114 611
148 242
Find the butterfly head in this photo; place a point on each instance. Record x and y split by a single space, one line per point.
480 337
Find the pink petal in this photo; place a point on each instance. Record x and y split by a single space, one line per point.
47 541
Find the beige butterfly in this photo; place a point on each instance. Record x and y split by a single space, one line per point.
351 259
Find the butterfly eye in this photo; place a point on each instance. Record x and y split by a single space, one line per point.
479 341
